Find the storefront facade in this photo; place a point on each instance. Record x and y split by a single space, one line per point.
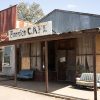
59 51
70 51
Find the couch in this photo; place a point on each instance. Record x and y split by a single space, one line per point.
25 74
87 79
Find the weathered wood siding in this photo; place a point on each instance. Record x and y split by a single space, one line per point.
84 57
98 53
25 56
36 55
31 56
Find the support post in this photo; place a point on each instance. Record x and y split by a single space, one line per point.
94 65
15 76
46 65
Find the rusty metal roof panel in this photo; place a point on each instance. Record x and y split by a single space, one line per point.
66 21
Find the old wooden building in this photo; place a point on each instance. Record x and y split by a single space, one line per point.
70 47
66 52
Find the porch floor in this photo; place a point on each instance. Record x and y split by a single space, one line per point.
60 88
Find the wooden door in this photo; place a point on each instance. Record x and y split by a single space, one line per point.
61 65
71 66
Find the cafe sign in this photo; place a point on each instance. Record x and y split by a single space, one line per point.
41 29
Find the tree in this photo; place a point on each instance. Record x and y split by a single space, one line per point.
29 12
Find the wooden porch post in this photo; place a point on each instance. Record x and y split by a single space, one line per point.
46 65
15 76
94 65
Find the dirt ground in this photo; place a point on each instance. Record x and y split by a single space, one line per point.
60 89
86 94
7 93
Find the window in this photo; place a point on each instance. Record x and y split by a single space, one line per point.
36 55
7 51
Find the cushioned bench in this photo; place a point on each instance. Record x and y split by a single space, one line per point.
26 74
87 79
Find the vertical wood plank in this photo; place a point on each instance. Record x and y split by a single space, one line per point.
15 78
46 65
94 65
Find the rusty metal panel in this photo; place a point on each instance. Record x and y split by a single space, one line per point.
7 19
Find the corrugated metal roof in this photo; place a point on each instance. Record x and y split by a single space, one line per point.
66 21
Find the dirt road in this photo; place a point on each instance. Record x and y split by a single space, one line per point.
7 93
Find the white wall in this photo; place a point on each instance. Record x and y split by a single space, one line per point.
9 69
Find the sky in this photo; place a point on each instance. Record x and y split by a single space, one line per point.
86 6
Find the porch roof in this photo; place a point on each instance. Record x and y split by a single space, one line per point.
66 35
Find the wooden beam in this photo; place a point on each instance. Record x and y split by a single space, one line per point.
94 66
15 76
41 38
65 35
46 65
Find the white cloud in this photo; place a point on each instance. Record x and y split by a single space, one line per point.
71 6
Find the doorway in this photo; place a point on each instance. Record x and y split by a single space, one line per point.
71 66
66 60
66 65
61 63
